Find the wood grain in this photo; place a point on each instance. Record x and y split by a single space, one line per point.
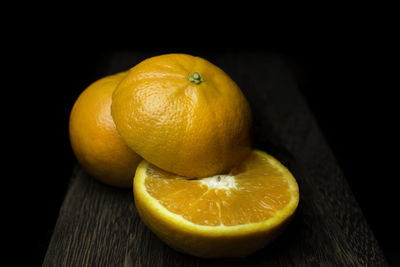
98 225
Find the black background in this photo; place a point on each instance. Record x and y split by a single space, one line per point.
345 72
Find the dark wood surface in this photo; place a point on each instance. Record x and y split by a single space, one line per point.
98 225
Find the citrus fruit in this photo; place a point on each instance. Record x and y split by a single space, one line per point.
183 114
94 138
228 215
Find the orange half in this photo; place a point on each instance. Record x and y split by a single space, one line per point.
229 215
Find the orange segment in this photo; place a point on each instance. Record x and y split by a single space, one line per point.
257 197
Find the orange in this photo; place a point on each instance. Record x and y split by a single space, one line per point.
183 114
94 138
229 215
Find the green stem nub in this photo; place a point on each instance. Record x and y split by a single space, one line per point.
196 78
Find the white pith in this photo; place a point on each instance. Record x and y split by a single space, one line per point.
220 182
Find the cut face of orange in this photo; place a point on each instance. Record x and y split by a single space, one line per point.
228 215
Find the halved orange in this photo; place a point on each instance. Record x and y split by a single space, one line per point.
229 215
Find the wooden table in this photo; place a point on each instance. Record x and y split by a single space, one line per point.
98 225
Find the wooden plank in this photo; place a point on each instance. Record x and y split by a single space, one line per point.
98 225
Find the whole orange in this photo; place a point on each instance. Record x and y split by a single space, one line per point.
183 114
94 138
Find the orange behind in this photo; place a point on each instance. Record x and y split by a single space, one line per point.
94 139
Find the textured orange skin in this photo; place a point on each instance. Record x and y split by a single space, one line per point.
94 138
194 130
